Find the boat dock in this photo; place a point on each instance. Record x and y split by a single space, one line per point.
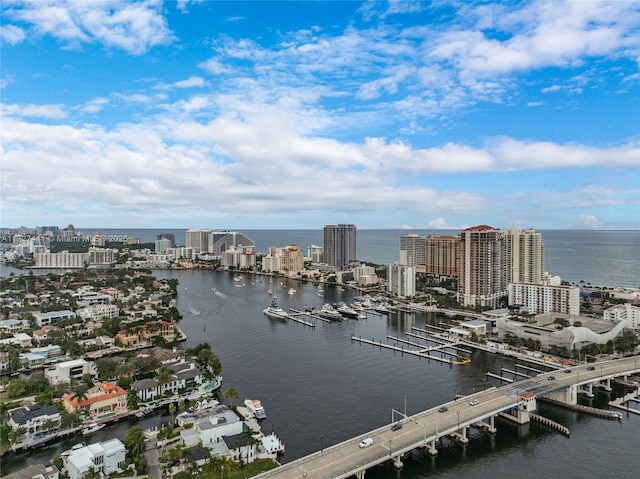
400 349
294 315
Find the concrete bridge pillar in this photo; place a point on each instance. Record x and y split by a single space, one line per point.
397 462
492 425
463 437
607 385
589 392
360 475
431 449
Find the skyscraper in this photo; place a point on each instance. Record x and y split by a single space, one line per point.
339 245
489 259
481 265
412 251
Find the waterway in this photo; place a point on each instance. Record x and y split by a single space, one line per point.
320 388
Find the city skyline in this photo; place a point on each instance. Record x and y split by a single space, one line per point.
385 115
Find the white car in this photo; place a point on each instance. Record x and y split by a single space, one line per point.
366 442
474 402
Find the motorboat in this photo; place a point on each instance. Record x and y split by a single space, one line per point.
91 428
275 312
291 291
255 407
328 312
347 312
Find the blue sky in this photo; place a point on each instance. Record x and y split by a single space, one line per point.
297 114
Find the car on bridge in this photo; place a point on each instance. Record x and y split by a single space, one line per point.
567 371
366 442
443 409
396 426
591 368
551 378
474 402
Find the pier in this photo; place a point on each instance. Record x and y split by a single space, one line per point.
294 315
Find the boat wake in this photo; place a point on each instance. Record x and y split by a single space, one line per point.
194 311
220 294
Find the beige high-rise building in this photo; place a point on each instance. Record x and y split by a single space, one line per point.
291 260
441 255
481 279
524 252
489 259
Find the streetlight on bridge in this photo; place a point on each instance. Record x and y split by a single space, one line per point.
321 443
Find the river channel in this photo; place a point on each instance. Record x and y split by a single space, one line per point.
319 388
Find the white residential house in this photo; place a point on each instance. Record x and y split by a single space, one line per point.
52 317
105 457
63 372
97 312
210 426
12 326
34 417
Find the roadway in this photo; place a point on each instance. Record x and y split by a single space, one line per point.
347 458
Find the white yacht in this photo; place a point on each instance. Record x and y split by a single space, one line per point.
291 291
91 428
256 408
275 312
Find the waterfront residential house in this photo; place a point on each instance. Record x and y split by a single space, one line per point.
106 458
143 335
34 417
64 372
186 375
210 426
102 402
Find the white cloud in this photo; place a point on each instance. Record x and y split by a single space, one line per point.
551 89
590 222
35 111
193 81
95 105
133 27
440 224
535 103
12 34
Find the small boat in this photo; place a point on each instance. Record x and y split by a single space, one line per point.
237 279
255 407
275 312
291 291
270 292
93 427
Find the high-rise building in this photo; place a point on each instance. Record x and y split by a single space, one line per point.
489 259
162 245
524 251
339 246
198 240
401 280
441 255
412 251
291 260
170 236
481 265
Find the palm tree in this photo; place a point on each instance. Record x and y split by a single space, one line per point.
4 412
172 411
49 424
92 473
232 393
164 377
16 434
134 441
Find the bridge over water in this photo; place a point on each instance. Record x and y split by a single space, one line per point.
425 428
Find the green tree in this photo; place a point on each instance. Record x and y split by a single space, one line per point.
134 442
164 377
92 473
233 394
